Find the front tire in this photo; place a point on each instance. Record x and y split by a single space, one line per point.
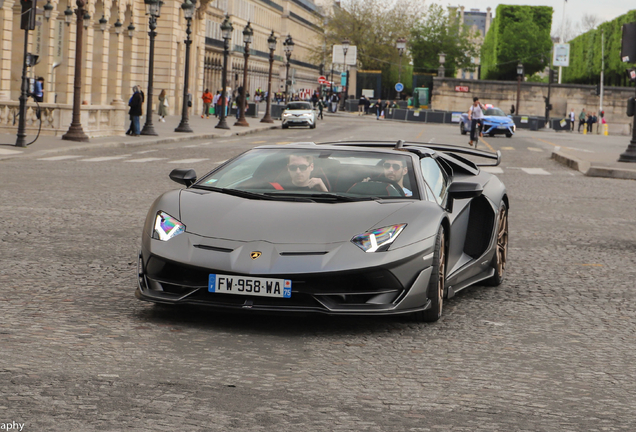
508 135
501 253
285 126
437 282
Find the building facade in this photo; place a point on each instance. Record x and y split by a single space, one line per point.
479 22
114 62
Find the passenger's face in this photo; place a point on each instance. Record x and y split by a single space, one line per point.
394 170
299 170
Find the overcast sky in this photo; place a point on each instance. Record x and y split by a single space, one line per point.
574 9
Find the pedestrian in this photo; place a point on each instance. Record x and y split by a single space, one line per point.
367 105
512 110
475 114
135 103
589 122
314 99
334 102
207 100
189 99
163 106
379 108
572 118
321 106
38 94
581 120
239 100
361 104
215 103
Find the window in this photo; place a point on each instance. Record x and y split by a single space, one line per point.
434 177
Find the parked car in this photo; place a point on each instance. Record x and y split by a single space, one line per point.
495 121
351 228
299 114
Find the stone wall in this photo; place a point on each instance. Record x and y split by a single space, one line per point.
563 97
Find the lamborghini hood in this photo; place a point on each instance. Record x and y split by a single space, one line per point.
212 214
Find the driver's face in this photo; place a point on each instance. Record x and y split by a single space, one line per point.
394 170
299 170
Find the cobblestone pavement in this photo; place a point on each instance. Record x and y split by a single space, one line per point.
551 349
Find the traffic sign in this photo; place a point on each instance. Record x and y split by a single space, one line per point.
321 78
399 87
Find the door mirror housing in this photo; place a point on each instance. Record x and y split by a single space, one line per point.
462 190
183 176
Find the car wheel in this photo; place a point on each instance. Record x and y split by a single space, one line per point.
313 126
501 253
437 282
491 134
285 126
462 129
508 135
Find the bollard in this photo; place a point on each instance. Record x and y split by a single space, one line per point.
605 129
584 129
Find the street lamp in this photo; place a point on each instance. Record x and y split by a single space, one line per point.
102 23
442 70
87 19
75 132
68 15
401 46
131 29
271 43
226 31
153 8
118 27
188 12
48 7
248 34
345 47
288 47
519 76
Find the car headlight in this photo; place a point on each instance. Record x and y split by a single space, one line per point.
286 114
379 239
166 227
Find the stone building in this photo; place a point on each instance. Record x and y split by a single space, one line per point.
115 61
478 22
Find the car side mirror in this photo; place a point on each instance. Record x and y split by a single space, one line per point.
462 190
183 176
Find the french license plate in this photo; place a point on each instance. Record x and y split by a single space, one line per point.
501 127
253 286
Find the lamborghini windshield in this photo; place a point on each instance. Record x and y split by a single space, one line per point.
339 175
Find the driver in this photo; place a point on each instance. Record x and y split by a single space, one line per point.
395 170
300 168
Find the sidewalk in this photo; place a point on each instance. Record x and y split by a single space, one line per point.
203 129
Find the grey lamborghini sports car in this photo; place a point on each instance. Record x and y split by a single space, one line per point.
358 228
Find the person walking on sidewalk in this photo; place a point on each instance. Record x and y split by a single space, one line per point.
581 120
321 106
361 104
572 119
162 111
334 102
207 100
215 103
379 109
136 103
475 114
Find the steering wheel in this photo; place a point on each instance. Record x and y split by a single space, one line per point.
393 183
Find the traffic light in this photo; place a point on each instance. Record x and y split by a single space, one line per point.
630 106
551 75
628 46
27 21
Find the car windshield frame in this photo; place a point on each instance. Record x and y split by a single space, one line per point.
299 106
496 112
347 174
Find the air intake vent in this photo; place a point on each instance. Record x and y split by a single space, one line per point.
302 253
213 248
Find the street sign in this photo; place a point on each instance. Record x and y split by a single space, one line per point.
463 89
399 87
561 55
321 78
343 79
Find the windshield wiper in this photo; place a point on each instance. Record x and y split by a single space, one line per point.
249 195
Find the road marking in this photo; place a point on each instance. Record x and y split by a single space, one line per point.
258 142
487 145
420 134
145 151
535 149
104 158
492 170
59 158
283 142
187 161
507 148
150 159
8 152
535 171
431 140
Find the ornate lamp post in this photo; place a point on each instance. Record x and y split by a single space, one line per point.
442 71
119 26
226 30
401 46
131 29
271 42
48 7
519 76
68 15
102 23
345 47
75 132
153 8
288 47
248 33
188 12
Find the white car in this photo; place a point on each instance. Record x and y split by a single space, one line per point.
299 114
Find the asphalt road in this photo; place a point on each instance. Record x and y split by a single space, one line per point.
551 349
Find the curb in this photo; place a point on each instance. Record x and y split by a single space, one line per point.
137 143
589 170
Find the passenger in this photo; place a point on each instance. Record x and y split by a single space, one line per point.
300 168
395 170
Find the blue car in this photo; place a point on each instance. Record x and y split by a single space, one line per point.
495 121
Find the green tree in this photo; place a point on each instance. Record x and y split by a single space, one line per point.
517 34
439 32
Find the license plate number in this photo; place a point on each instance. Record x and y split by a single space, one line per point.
252 286
501 127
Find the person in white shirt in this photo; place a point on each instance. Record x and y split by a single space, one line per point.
572 118
475 114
